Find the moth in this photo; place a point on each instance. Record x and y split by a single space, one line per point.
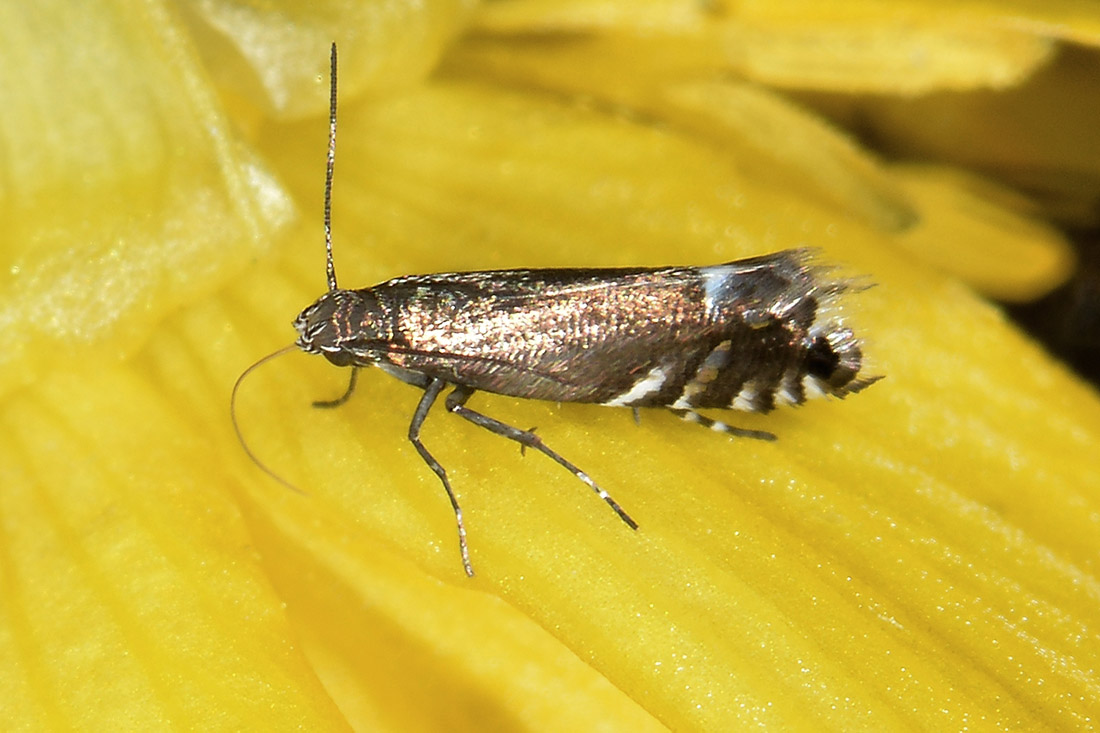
750 335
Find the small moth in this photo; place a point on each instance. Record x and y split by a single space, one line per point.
748 335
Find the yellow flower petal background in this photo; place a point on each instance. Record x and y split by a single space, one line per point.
923 554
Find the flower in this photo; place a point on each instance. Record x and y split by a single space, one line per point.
922 554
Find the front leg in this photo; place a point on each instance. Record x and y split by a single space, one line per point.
347 393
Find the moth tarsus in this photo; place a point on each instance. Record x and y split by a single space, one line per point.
750 335
352 382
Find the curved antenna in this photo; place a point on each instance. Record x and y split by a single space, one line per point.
331 269
237 427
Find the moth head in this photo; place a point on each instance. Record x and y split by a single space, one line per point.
343 326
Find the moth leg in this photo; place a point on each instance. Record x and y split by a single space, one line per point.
344 397
522 447
431 392
456 404
720 427
858 385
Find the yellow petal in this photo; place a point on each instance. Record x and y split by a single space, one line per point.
906 48
133 599
1008 255
134 595
126 192
919 519
921 555
273 53
1038 137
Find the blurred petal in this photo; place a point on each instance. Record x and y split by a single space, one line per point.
126 193
273 53
1007 255
768 135
853 46
1039 137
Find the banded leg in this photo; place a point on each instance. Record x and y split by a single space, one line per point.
456 403
344 397
858 385
720 427
431 392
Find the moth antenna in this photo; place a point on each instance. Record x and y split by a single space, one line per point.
331 165
237 428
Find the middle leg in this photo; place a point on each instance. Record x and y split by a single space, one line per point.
456 403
